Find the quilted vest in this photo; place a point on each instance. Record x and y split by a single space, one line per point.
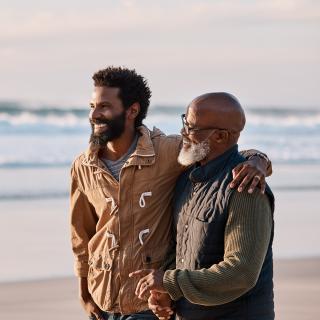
201 212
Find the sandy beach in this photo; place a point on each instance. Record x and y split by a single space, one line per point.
297 295
41 238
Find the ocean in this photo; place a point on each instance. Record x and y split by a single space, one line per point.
288 135
39 142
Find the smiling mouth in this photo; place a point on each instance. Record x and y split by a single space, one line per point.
100 127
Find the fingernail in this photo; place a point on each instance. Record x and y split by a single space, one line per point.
250 190
231 185
240 189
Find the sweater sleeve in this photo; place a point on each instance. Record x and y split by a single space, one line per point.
247 237
83 224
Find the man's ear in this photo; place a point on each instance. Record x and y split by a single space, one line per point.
222 136
133 111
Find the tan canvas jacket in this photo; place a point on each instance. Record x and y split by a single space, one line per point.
110 240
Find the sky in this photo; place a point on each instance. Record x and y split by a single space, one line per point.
267 53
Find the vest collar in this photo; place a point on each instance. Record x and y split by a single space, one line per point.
213 167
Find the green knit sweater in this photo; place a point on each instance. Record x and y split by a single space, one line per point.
247 237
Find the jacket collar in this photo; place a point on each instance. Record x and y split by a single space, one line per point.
143 155
213 167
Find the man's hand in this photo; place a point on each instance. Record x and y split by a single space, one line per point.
160 305
150 279
254 170
86 300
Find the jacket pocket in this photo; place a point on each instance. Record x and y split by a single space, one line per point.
100 281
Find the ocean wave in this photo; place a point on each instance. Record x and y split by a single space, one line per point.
16 108
286 135
16 114
68 119
34 196
48 158
288 121
30 164
12 107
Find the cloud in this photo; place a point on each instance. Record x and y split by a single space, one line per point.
170 41
154 16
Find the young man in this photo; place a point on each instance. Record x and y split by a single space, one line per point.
121 195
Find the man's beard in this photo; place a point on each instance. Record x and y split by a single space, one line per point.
114 130
194 153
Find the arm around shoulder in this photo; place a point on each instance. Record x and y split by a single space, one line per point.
264 159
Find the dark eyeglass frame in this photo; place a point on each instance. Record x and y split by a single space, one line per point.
189 130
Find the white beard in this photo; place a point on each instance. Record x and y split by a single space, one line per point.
194 153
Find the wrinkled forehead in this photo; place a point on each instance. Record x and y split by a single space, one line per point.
207 114
198 115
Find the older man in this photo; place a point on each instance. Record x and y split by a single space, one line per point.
224 238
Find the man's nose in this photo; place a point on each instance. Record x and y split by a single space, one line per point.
94 113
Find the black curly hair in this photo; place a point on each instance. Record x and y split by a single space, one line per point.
133 88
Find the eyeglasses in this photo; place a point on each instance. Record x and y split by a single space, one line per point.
189 130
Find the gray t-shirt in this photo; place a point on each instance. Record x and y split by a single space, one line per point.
115 166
